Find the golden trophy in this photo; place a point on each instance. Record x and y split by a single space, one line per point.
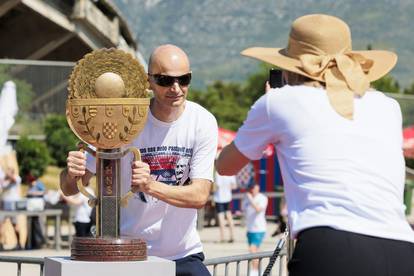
107 108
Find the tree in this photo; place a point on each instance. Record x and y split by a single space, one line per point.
33 157
59 138
225 101
255 84
229 102
386 84
409 90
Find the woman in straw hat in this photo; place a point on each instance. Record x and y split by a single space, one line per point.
339 143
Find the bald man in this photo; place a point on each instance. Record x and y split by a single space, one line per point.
178 146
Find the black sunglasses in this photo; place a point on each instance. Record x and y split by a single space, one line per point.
167 81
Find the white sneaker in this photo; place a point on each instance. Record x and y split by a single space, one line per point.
254 272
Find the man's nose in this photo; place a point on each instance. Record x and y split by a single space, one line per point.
175 86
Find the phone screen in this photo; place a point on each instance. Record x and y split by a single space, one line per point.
275 78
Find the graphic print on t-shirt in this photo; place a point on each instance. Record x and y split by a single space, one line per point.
168 164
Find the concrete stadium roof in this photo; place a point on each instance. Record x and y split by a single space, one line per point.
61 30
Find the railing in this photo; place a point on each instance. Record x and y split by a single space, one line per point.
241 262
223 265
23 260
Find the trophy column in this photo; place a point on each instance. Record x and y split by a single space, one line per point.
108 208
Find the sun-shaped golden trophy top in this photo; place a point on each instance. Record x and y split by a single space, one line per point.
108 102
92 66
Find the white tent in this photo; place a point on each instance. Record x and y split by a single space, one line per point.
8 110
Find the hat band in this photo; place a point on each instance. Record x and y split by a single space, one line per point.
344 73
297 48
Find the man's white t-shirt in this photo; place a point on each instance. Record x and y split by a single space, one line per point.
176 152
346 174
255 221
224 185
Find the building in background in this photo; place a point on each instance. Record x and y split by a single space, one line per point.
34 33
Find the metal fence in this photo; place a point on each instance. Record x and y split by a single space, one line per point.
19 261
42 83
240 264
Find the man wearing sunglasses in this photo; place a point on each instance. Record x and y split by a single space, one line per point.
178 146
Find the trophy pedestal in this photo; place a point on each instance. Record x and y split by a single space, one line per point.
64 266
108 249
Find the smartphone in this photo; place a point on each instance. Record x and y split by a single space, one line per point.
275 78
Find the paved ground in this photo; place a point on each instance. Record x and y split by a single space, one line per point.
209 235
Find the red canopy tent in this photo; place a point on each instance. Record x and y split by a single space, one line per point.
408 141
227 136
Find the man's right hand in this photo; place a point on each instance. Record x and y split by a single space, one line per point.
76 164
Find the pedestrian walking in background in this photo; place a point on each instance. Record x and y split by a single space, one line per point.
222 198
254 207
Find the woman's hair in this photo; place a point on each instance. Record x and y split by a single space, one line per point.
296 79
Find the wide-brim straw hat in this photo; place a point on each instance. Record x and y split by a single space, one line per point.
320 48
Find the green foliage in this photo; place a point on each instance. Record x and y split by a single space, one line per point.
225 101
59 138
33 157
409 90
229 102
409 162
386 84
255 84
23 89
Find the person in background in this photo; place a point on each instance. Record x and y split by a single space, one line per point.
254 207
339 143
222 198
36 203
281 218
10 189
36 187
82 218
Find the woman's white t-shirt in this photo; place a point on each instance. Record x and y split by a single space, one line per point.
346 174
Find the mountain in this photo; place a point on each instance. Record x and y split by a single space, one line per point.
213 32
